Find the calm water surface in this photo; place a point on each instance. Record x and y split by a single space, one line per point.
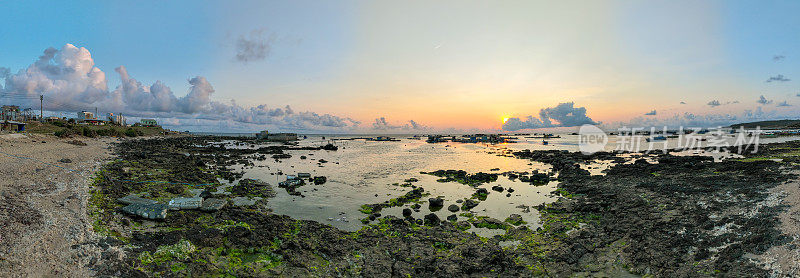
363 172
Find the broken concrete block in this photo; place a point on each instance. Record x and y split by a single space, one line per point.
135 199
149 211
185 203
213 204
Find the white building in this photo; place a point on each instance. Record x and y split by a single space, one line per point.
117 119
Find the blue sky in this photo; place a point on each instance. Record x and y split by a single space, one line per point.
450 64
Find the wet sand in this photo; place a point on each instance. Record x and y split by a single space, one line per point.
45 229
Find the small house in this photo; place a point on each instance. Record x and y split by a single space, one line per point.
13 126
148 122
94 122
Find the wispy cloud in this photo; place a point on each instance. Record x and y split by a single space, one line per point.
778 78
778 58
382 124
651 113
683 102
254 47
714 103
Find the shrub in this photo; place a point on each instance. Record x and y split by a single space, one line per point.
88 132
130 132
109 131
65 132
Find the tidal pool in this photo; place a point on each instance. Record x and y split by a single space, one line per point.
367 172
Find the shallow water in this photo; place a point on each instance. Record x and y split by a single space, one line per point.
364 172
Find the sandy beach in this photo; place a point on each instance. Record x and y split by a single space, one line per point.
45 229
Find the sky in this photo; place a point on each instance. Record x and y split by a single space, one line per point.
405 66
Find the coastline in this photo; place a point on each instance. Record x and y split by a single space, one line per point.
53 233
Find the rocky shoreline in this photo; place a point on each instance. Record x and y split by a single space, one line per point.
654 214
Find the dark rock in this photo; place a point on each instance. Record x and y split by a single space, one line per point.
320 180
330 147
497 188
436 202
453 208
281 156
469 204
206 193
432 220
65 160
406 212
510 190
452 218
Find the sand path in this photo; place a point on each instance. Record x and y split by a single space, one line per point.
44 226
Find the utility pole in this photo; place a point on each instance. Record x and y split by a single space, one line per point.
95 113
41 107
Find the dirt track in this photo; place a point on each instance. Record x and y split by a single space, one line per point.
44 226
